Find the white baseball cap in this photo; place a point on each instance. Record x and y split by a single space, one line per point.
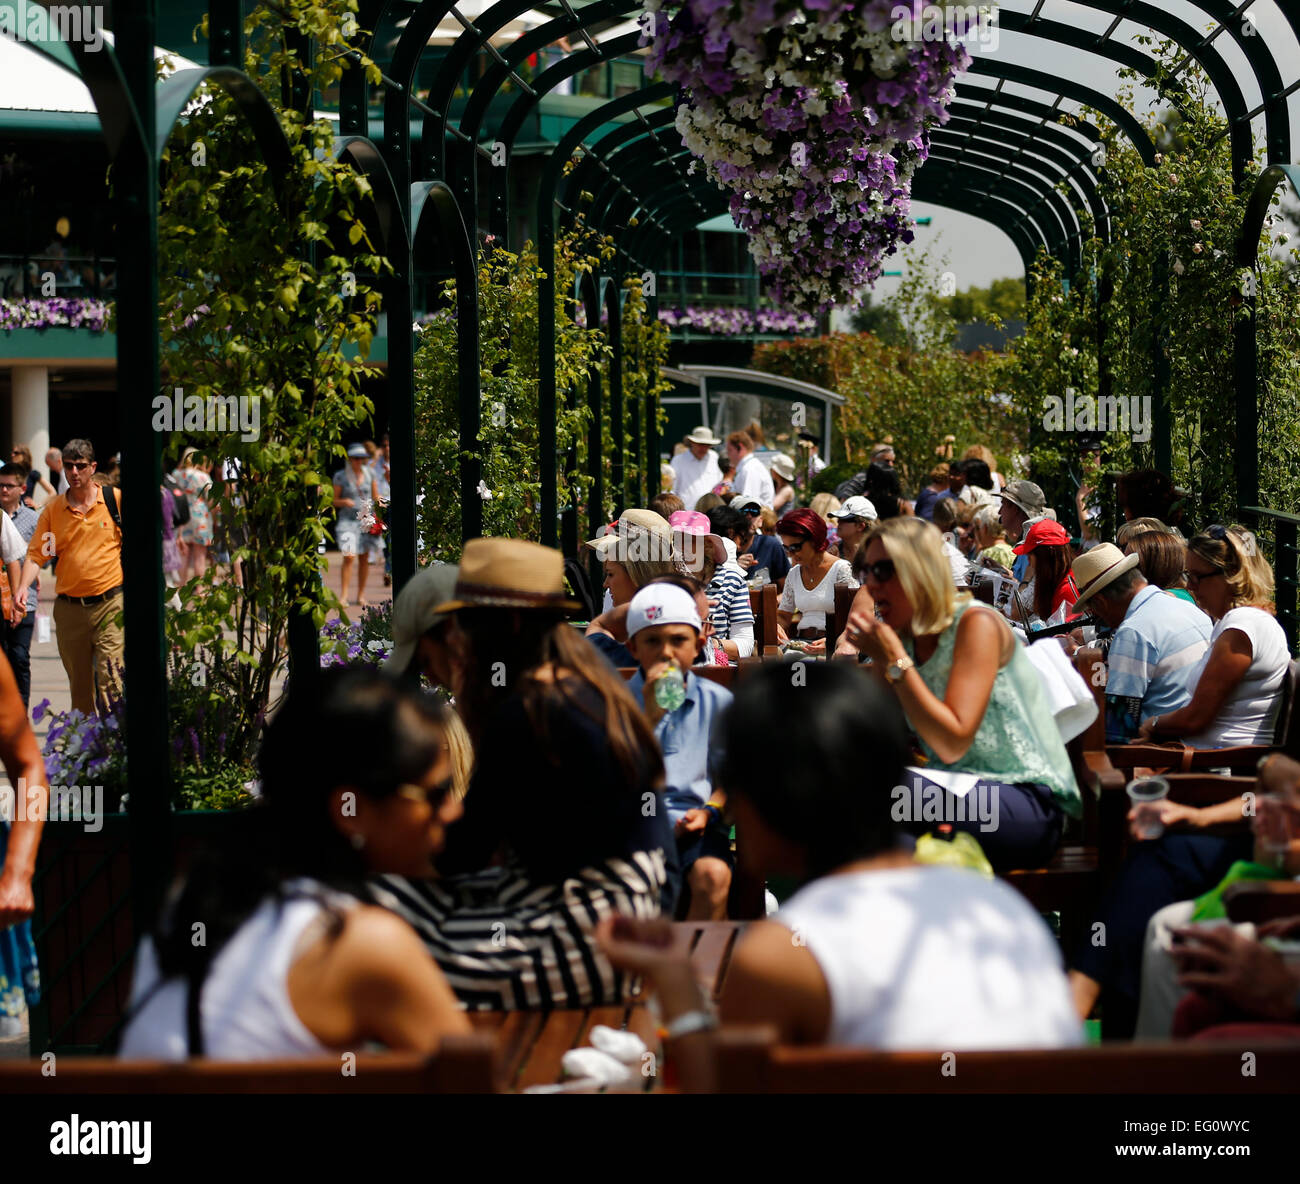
662 604
856 507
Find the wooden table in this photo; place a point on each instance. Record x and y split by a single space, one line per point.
533 1042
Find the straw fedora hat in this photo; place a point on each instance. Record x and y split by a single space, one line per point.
509 573
1095 569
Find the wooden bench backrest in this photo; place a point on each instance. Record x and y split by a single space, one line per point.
750 1061
836 623
763 603
723 675
466 1064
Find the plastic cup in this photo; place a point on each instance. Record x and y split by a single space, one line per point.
1145 793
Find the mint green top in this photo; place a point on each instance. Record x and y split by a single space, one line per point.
1018 740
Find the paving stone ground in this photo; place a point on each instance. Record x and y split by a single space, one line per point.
50 682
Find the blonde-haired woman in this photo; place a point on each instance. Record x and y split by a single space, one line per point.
997 766
1238 685
20 454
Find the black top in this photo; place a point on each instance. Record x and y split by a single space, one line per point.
552 793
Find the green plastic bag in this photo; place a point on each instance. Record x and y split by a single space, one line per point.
1210 907
962 851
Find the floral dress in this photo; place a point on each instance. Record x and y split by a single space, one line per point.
195 483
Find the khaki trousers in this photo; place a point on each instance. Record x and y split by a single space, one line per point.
92 647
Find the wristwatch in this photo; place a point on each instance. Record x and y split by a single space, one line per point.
897 668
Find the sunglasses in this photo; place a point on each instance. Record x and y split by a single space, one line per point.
77 465
752 511
10 485
1218 533
793 548
882 571
1195 577
431 796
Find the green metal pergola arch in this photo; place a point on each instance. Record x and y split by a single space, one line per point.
136 113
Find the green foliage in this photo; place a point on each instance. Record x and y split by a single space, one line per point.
1002 300
267 297
918 391
509 377
1180 218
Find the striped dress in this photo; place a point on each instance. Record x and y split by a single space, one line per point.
508 943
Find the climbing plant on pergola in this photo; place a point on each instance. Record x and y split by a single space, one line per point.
1003 157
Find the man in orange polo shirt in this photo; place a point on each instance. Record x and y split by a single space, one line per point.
78 527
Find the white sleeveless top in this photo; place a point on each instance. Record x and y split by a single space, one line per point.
245 1013
933 958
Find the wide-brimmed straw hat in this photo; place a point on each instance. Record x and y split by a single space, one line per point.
1095 569
509 573
703 436
639 536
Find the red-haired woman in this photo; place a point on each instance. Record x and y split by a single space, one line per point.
811 583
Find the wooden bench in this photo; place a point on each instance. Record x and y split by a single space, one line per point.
749 1060
1262 900
762 603
531 1044
468 1064
1177 756
724 676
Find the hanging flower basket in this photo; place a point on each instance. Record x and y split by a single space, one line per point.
815 115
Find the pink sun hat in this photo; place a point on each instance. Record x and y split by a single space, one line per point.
691 527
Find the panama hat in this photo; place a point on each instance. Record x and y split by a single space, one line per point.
638 535
1095 569
415 611
702 435
783 466
509 573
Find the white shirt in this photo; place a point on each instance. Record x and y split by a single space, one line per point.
246 1013
933 958
1249 714
754 480
694 478
12 547
815 604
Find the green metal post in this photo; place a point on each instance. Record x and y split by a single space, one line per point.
135 184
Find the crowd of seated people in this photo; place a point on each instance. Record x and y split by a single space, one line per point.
528 849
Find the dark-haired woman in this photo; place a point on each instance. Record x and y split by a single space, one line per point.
564 822
295 959
1054 591
810 586
874 950
1160 559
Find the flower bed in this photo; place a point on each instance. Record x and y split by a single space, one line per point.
729 322
366 641
55 312
815 115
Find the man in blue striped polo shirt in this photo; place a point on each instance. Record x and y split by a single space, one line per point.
1158 639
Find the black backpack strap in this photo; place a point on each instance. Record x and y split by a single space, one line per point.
110 501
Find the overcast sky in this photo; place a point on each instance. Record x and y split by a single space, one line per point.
980 253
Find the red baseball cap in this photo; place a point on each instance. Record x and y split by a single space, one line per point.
1043 534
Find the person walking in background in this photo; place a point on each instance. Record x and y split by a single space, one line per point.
355 496
193 477
382 467
20 836
81 529
18 636
21 455
782 485
59 479
696 471
752 478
